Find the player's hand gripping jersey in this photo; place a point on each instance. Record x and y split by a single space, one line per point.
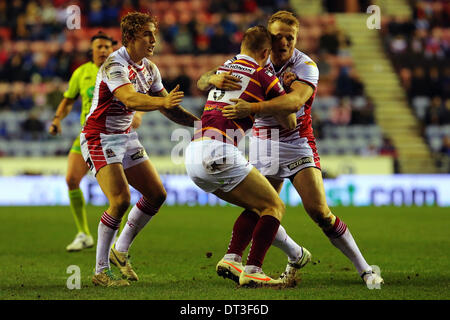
296 149
257 84
108 114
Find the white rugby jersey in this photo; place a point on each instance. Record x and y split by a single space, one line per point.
306 71
108 114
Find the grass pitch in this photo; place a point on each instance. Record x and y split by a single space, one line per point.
176 254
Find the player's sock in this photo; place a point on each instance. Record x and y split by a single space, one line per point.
139 216
123 222
262 239
342 239
242 232
285 243
107 229
78 208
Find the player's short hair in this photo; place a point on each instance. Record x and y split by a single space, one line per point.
256 39
286 17
133 23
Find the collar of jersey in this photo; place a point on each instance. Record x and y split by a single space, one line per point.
128 59
246 57
270 63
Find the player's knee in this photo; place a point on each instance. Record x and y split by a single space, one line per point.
121 202
158 198
161 198
278 208
322 216
72 182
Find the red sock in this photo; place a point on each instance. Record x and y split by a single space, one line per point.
337 230
242 232
262 239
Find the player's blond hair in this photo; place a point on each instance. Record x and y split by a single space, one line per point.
133 23
286 17
256 39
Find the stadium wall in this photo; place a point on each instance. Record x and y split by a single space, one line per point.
333 165
346 190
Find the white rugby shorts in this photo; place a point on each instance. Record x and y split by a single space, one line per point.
213 165
281 160
101 149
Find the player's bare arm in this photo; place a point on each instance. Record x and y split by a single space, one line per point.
178 114
285 104
137 120
142 102
288 122
62 111
224 81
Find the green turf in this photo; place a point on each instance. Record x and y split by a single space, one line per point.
410 245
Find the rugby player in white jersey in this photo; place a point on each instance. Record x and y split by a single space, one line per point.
298 158
127 82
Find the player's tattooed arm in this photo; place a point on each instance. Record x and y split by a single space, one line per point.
224 80
178 114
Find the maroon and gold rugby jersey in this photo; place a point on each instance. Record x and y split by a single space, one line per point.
257 84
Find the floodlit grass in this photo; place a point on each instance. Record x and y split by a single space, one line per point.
410 245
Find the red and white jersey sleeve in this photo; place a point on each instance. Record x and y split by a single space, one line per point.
107 114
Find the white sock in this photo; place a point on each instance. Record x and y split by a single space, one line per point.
137 220
348 246
107 230
232 257
252 269
285 243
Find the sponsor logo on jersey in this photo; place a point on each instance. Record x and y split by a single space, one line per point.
138 155
297 163
311 63
268 72
241 68
218 96
110 153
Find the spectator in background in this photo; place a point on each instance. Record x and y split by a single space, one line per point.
419 83
363 113
183 41
435 112
341 115
435 82
329 42
220 42
388 149
446 112
95 15
443 159
399 45
33 128
348 83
